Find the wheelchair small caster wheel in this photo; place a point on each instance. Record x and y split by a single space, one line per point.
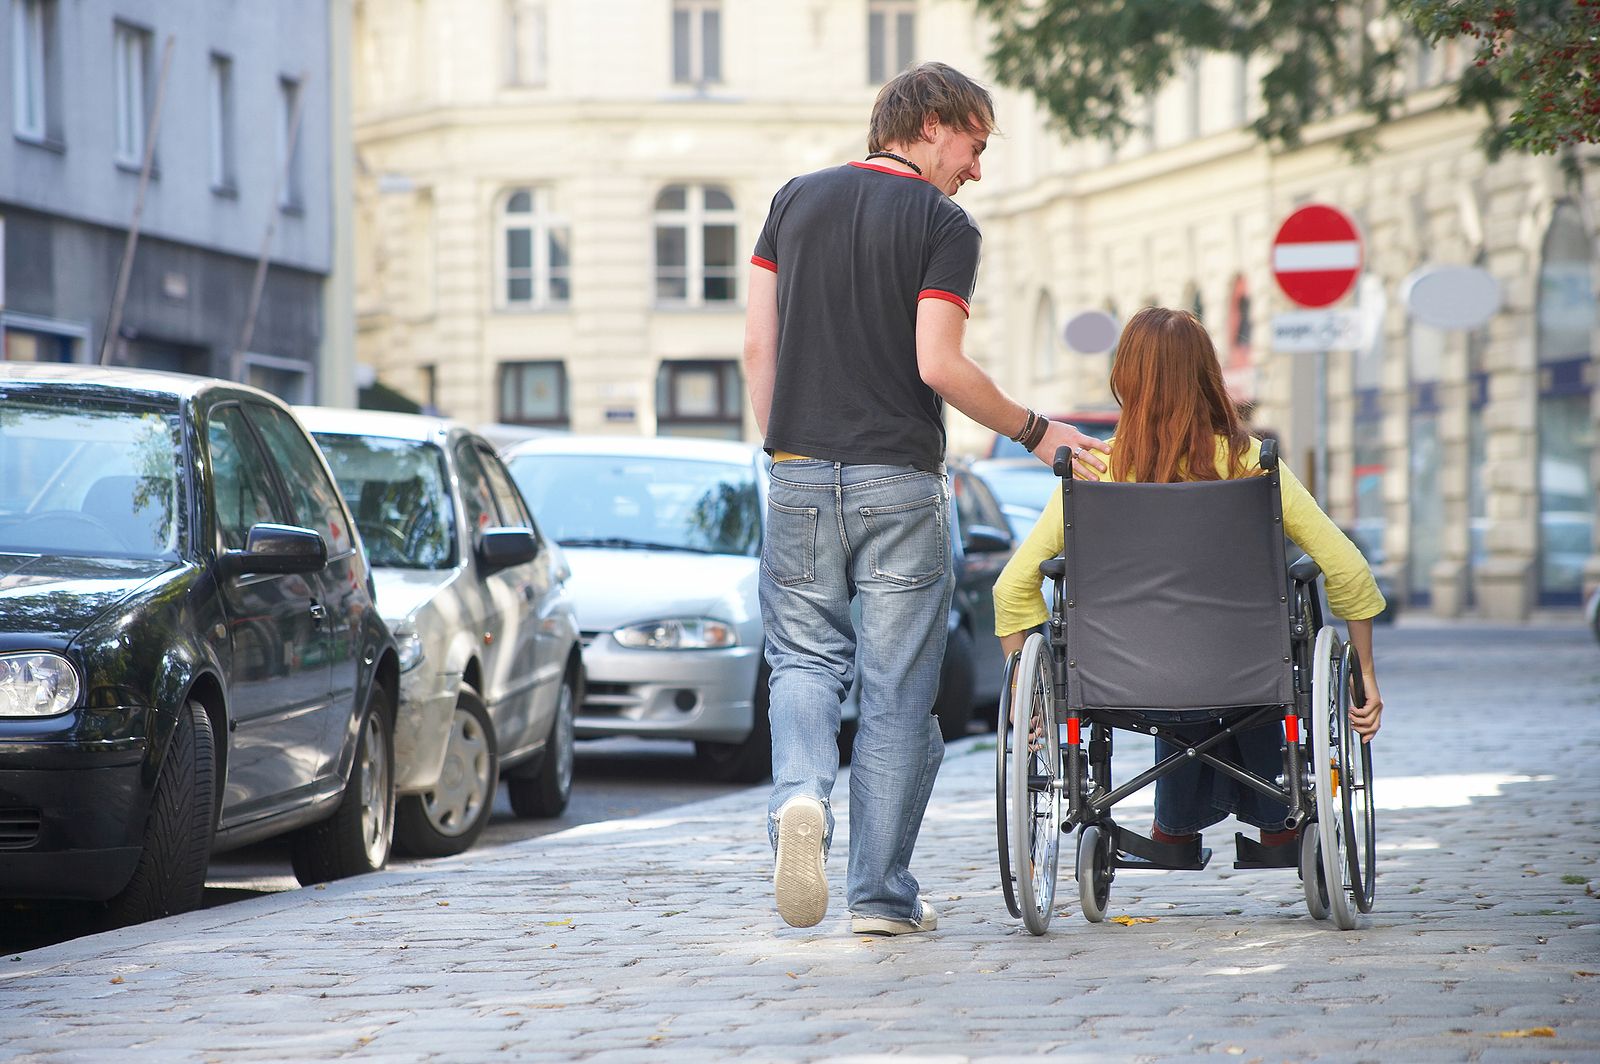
1311 878
1094 872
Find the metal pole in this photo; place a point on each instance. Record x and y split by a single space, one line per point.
125 269
236 371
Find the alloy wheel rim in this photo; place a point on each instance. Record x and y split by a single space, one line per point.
375 808
563 738
455 803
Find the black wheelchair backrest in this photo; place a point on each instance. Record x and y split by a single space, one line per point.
1176 595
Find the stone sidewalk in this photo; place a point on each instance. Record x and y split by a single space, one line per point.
654 938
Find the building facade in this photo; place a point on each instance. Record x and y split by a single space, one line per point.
233 170
556 202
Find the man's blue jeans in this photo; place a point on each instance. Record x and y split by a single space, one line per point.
878 534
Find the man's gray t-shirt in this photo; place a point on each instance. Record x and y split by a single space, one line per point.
855 248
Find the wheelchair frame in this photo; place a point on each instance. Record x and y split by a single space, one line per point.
1048 784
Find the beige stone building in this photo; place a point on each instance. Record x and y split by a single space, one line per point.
556 201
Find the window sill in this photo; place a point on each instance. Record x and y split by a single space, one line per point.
134 168
45 143
293 210
731 306
227 191
534 308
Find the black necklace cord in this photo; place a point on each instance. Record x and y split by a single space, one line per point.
897 158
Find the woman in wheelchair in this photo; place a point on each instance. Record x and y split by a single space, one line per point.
1179 425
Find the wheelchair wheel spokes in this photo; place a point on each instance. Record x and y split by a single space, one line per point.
1035 768
1329 721
1002 787
1356 802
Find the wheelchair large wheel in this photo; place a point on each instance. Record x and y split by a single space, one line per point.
1002 787
1094 872
1330 718
1356 805
1035 797
1311 878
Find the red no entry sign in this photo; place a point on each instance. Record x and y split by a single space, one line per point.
1316 255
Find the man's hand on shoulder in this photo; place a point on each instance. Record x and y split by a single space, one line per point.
1086 464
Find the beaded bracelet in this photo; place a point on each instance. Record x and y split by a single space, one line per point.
1027 425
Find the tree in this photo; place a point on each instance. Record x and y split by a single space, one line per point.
1092 63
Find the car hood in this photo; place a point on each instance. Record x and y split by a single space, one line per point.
50 600
611 588
402 591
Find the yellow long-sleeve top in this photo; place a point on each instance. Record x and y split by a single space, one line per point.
1352 592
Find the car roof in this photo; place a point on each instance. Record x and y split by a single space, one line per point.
175 387
692 448
421 428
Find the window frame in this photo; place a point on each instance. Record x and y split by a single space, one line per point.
130 78
544 224
220 107
730 398
695 219
291 161
527 21
901 52
515 370
31 26
701 65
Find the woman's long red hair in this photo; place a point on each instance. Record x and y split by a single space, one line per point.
1174 404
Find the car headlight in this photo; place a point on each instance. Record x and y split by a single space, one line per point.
409 643
36 685
679 633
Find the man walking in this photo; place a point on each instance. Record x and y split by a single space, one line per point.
853 343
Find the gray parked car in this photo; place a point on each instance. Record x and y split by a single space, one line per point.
477 598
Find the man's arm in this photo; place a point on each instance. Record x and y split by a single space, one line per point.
945 367
761 341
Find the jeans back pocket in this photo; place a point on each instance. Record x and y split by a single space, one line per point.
789 552
908 544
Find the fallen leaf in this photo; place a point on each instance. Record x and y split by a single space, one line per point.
655 1038
559 923
441 903
1129 921
552 945
792 975
1528 1032
1236 1051
320 886
363 1040
117 979
674 912
1580 974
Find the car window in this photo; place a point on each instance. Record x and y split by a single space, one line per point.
982 507
87 477
241 484
398 492
512 509
316 502
477 498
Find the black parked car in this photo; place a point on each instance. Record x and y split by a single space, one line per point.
190 659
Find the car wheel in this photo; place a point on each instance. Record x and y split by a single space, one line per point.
545 793
356 838
449 818
953 705
749 761
171 874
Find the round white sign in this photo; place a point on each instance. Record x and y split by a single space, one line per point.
1451 297
1090 332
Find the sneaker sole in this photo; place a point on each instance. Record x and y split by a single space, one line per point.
800 884
882 925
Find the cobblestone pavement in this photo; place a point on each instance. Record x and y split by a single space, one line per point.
654 938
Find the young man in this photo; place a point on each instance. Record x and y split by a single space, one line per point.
853 343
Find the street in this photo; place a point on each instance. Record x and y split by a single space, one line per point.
654 937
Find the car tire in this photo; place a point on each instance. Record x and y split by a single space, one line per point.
749 761
547 790
953 704
170 876
448 819
356 838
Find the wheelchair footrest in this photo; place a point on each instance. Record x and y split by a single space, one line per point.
1148 853
1251 854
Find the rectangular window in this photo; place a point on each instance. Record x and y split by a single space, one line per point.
221 99
291 192
696 42
130 67
534 393
891 38
700 398
31 62
526 59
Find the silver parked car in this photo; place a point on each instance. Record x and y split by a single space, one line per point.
477 598
664 538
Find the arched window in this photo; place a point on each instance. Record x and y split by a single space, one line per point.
696 240
534 251
1566 321
1044 338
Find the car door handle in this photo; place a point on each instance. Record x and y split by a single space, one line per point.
319 614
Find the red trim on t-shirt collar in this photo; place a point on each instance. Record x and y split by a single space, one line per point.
949 297
765 264
888 170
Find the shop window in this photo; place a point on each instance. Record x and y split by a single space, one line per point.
534 393
700 398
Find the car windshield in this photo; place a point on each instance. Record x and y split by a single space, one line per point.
396 491
87 477
643 502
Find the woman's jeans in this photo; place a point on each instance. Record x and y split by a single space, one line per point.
878 535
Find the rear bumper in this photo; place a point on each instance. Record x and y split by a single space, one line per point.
71 818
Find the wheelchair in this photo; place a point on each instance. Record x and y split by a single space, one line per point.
1172 605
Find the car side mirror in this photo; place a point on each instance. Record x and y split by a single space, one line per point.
983 539
499 548
270 548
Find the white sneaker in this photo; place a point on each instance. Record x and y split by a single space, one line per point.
882 925
798 881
